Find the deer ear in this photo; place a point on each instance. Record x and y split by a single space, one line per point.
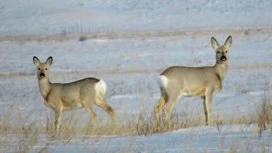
228 42
49 60
214 43
36 61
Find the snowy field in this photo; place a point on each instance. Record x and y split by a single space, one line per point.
130 43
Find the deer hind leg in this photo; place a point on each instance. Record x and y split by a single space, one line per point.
101 102
158 108
90 111
168 108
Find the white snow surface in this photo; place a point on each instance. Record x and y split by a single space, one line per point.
131 66
19 17
200 139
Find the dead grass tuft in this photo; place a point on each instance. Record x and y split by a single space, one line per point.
28 138
30 133
264 113
83 38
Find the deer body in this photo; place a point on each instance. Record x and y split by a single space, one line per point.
193 85
69 96
178 81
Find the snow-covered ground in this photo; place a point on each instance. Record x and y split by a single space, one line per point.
130 66
60 17
235 138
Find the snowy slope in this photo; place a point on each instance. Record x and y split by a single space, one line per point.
191 140
74 16
130 66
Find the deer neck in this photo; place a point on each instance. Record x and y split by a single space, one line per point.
221 70
45 88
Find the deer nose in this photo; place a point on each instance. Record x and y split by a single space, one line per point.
42 75
223 58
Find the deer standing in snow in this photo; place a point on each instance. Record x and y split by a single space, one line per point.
69 96
178 81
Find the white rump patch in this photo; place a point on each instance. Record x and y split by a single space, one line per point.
100 88
163 81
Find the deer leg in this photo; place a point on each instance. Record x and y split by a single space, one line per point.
168 108
207 101
205 110
91 113
157 110
101 102
58 116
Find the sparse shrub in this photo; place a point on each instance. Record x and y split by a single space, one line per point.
29 137
219 124
83 38
264 114
246 32
144 126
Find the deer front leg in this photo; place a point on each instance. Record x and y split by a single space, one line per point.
207 102
58 115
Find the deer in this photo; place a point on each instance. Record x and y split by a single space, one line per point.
70 96
178 81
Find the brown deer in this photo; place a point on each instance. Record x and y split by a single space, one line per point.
69 96
205 81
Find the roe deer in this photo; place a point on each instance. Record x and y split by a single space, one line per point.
74 95
180 81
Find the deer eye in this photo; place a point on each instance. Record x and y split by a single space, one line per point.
226 51
218 52
45 68
39 69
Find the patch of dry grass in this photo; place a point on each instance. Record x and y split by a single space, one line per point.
264 112
29 133
144 124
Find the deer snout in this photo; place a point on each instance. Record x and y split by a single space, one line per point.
42 75
223 58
